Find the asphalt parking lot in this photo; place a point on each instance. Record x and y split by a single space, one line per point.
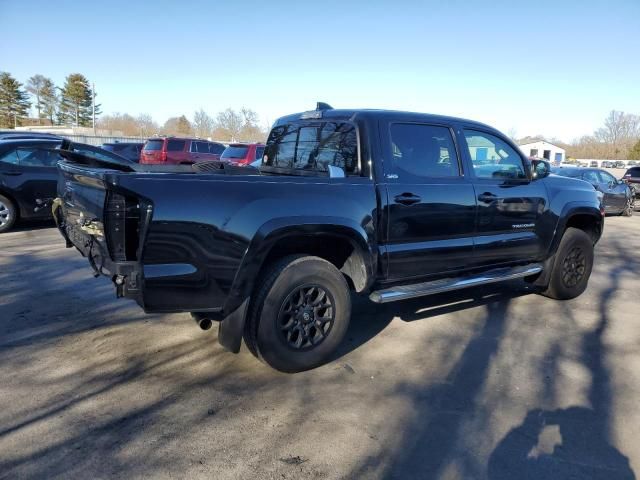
488 383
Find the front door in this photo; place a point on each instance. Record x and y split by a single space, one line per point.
509 204
615 192
430 209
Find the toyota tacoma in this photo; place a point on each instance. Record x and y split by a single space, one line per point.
395 204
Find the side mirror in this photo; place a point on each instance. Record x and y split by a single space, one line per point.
539 168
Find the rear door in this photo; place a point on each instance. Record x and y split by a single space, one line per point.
431 207
30 173
509 204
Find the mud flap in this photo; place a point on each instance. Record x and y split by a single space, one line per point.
543 279
232 327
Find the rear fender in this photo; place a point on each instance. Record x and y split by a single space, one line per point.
267 236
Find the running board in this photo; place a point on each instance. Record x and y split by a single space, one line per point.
402 292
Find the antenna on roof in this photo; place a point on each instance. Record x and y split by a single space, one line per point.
323 106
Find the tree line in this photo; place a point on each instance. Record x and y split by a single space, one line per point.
71 104
229 125
617 139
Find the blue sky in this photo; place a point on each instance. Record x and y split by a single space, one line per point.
555 68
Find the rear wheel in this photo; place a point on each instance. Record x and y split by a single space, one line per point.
572 266
8 214
299 315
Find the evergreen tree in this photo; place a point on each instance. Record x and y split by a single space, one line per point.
76 100
14 102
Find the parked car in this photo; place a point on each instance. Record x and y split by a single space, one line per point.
173 150
129 150
28 176
619 164
25 135
271 253
243 153
617 199
631 163
607 164
632 178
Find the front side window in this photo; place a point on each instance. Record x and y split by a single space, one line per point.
216 148
492 157
313 146
175 145
423 150
607 177
201 147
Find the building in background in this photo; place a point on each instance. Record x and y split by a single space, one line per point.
542 149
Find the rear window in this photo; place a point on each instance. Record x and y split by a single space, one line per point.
153 145
634 172
175 145
313 146
236 151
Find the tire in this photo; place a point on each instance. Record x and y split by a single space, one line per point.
572 265
286 297
8 214
628 210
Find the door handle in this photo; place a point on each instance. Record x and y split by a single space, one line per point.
487 197
407 198
12 174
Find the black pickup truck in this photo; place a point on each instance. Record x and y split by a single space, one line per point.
395 204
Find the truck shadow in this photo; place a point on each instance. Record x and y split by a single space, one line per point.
370 319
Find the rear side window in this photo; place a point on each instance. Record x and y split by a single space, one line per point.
36 157
201 147
153 145
259 153
9 157
175 145
492 157
423 150
313 146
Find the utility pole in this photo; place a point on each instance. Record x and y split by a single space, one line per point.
93 106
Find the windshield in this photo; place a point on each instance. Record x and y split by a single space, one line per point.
235 151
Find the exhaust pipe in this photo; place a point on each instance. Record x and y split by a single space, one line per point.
203 322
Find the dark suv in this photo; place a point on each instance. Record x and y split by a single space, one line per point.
172 150
632 178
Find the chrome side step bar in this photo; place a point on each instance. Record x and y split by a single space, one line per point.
403 292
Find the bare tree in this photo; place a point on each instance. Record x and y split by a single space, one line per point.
619 133
146 125
202 124
228 125
34 86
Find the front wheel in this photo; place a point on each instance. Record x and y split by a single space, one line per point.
572 266
8 214
630 206
299 315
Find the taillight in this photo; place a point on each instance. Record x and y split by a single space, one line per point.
122 226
